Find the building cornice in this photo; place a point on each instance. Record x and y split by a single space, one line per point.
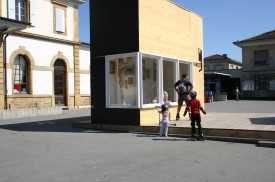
242 44
65 3
31 35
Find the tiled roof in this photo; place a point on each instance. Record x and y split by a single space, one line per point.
264 36
216 57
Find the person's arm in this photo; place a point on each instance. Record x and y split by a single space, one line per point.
201 108
190 87
185 111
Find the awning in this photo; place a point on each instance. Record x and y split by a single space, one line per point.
9 25
216 75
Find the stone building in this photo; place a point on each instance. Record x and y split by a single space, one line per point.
258 75
42 64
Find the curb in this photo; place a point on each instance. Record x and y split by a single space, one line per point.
261 138
269 144
264 143
29 112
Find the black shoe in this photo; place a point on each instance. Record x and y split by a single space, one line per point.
192 138
201 138
178 116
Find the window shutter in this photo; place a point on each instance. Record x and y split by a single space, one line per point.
32 12
11 9
60 20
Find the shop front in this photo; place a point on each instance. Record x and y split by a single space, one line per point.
215 86
138 54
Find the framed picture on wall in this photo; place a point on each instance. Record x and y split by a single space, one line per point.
131 80
112 67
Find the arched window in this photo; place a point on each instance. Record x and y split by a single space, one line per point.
20 72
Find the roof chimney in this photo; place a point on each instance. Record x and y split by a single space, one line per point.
224 55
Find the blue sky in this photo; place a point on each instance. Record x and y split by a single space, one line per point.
224 22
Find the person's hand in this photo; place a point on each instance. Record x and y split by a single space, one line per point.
203 111
185 112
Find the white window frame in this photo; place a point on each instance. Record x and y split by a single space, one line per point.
139 80
32 13
60 23
107 81
11 9
12 6
159 66
176 61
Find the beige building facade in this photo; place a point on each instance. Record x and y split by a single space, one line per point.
164 40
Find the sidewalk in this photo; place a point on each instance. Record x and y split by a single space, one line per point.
246 119
250 120
242 121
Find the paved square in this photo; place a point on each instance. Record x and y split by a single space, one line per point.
50 150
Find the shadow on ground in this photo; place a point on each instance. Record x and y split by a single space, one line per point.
58 125
263 121
170 139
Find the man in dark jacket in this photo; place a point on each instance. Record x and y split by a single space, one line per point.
183 88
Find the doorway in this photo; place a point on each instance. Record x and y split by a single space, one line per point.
213 87
60 82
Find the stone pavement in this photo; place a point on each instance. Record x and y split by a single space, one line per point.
242 115
241 121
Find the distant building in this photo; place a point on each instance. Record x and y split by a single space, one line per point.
222 76
220 62
258 75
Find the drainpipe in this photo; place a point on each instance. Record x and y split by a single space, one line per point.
5 71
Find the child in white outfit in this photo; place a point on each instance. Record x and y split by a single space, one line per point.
165 120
